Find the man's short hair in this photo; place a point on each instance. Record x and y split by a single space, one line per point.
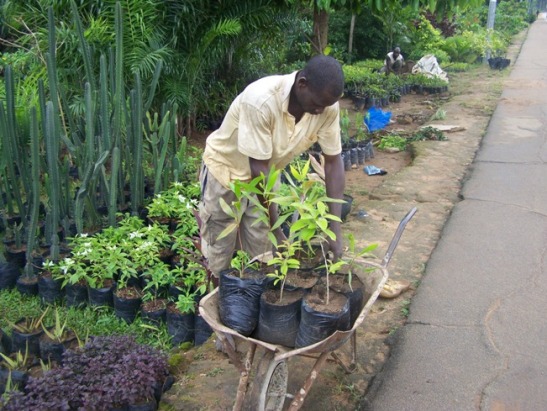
397 50
324 73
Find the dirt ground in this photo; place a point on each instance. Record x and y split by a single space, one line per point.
428 176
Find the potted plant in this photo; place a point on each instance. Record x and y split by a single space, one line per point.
307 204
106 373
55 340
180 317
9 273
157 279
26 332
14 372
310 226
192 279
72 274
241 285
14 247
102 263
344 279
279 314
173 206
127 297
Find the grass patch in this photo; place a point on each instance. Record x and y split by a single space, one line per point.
215 371
405 308
88 321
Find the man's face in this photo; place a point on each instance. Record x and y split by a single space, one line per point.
396 54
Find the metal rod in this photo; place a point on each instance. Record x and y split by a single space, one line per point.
299 398
244 378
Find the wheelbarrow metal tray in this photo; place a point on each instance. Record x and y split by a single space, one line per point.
372 275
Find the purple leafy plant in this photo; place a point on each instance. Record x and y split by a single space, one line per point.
107 372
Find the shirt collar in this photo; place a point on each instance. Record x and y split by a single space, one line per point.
287 86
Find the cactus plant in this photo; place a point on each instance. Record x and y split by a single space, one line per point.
35 164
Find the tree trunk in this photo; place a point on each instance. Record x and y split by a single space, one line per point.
320 30
350 42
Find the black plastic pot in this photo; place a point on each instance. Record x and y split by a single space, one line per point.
76 295
202 330
9 272
5 342
355 293
54 350
354 156
19 378
153 315
346 207
180 326
361 155
279 320
239 299
316 324
98 297
20 341
27 285
126 308
346 157
49 290
16 256
151 405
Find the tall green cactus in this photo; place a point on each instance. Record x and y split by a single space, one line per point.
14 160
90 174
84 47
114 175
136 135
51 136
159 136
35 173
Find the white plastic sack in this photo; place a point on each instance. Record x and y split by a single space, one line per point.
429 66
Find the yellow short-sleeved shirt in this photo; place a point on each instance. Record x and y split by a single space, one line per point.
258 125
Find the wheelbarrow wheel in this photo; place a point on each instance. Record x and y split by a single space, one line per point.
269 387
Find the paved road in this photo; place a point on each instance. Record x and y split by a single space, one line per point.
476 337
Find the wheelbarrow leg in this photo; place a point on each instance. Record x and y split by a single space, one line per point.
348 369
244 372
299 398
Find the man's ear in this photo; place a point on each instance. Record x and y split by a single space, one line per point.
302 82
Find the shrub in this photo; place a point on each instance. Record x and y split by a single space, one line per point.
427 40
464 47
457 67
107 372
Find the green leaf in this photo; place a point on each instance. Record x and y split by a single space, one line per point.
321 206
351 242
331 234
280 221
272 179
323 224
228 230
273 240
226 208
298 225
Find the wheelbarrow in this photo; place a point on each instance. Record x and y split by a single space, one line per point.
267 389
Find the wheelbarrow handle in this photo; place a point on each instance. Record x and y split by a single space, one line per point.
397 236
